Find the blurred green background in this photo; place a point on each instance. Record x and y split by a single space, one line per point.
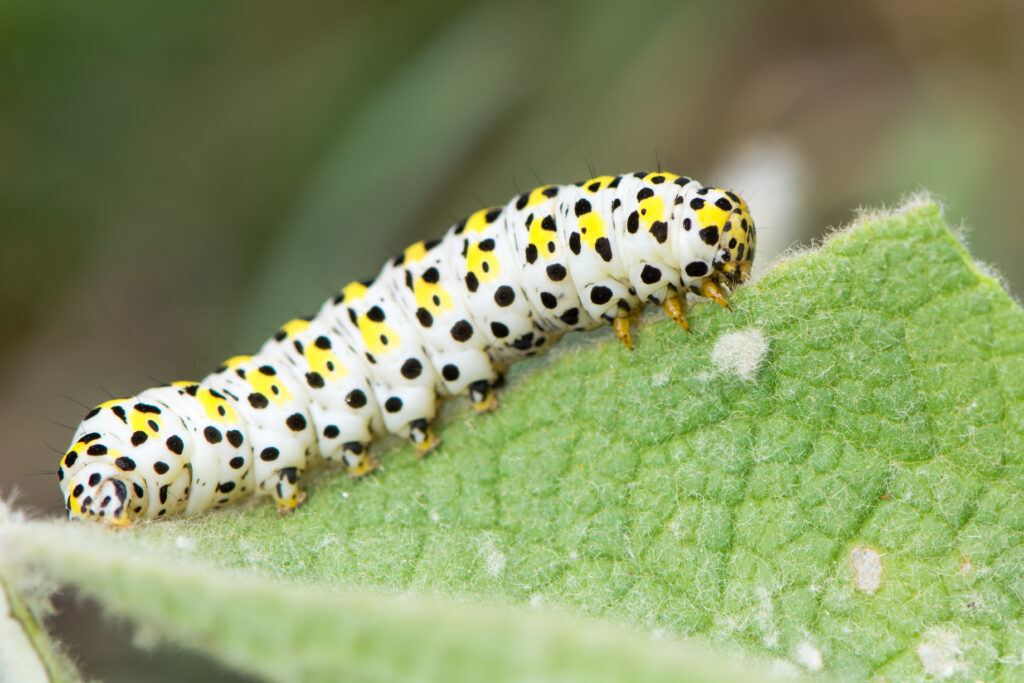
178 178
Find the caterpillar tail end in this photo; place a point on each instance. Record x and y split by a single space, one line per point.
676 308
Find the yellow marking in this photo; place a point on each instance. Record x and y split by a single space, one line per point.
352 291
477 257
537 196
324 362
425 292
106 405
651 210
592 228
709 214
415 252
265 384
541 238
211 405
375 333
236 362
294 327
139 422
601 180
478 221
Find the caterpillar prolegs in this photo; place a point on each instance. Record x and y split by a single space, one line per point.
445 317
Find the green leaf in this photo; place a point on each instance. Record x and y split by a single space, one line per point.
826 476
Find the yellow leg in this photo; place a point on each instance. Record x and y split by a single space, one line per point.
621 326
711 291
481 395
422 437
675 306
365 466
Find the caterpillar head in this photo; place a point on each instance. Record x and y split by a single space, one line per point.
101 492
737 237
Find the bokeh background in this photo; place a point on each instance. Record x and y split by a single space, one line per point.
178 178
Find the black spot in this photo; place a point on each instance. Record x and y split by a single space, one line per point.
696 269
226 487
237 462
375 314
258 400
644 193
92 413
423 315
411 368
298 348
70 459
450 372
679 200
213 435
660 231
724 204
525 342
696 203
604 248
548 299
95 479
571 317
235 438
739 252
267 370
393 404
658 179
492 215
331 431
163 493
119 412
125 463
430 276
531 253
649 275
615 182
703 190
574 243
97 449
556 272
139 491
681 181
279 336
269 454
398 260
633 222
322 343
408 279
548 224
522 200
582 207
687 224
499 330
487 245
709 235
383 340
352 316
462 331
430 244
89 438
355 398
472 283
139 438
600 295
460 227
504 296
79 490
153 425
594 186
296 422
175 445
540 342
315 380
550 192
146 408
733 243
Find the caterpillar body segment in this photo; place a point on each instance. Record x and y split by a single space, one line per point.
443 318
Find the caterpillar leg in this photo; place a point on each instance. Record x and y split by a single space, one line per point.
422 437
286 492
482 395
675 306
621 326
358 460
711 291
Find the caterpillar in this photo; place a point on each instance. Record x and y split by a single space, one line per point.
446 316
